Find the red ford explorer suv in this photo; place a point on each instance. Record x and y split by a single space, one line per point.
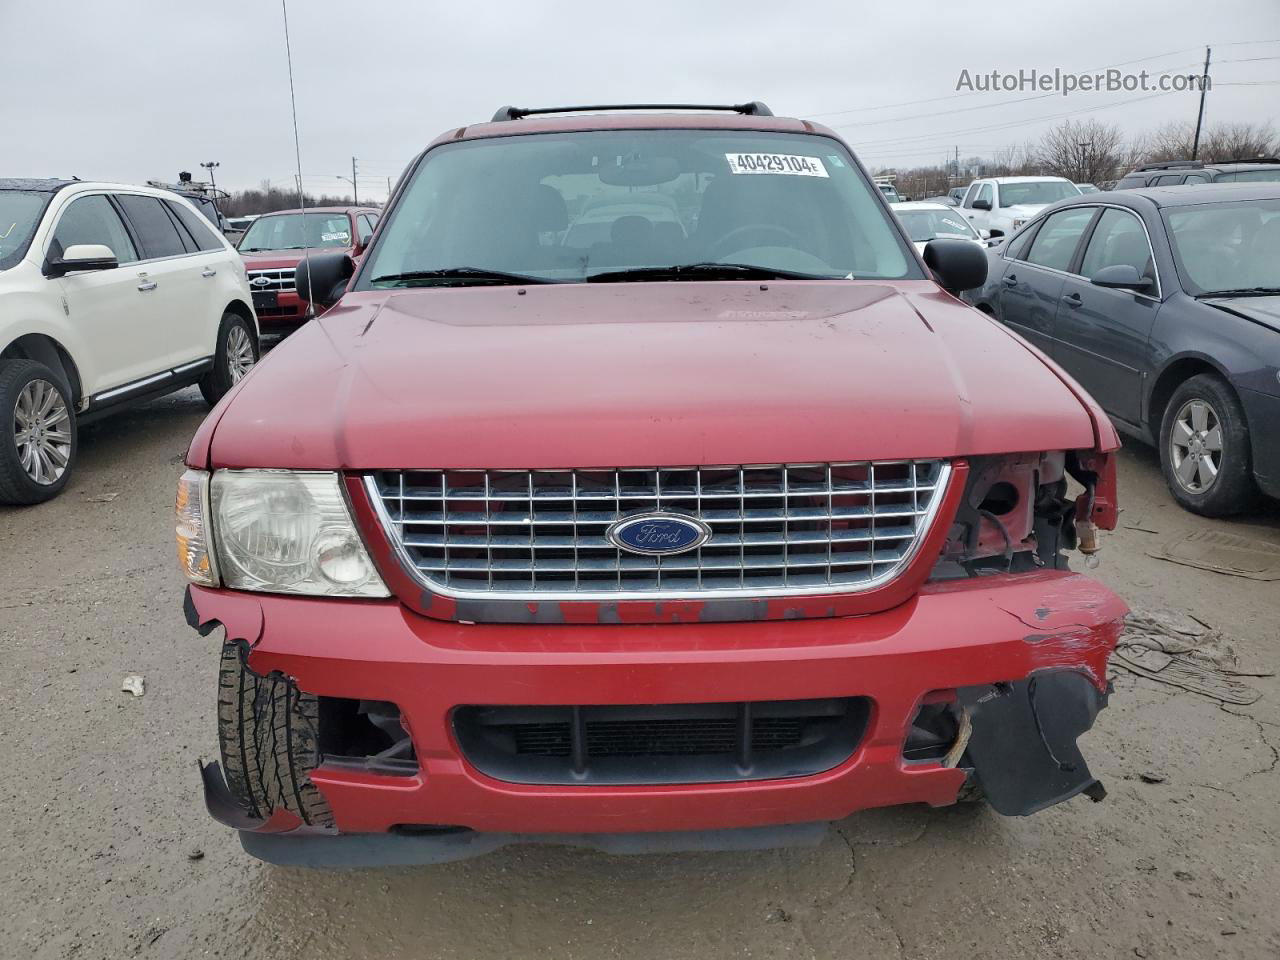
275 243
701 530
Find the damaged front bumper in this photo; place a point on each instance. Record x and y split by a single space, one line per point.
1019 659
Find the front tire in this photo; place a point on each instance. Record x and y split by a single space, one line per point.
268 732
236 352
1205 449
37 433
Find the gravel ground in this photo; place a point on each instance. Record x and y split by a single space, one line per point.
107 851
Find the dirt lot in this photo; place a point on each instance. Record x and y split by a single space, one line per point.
107 851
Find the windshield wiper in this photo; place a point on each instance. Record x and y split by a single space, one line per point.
1241 292
449 275
704 271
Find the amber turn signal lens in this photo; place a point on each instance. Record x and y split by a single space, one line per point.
192 529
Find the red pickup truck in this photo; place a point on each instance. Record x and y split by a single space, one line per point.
275 243
701 530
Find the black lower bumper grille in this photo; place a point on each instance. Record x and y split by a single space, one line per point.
667 743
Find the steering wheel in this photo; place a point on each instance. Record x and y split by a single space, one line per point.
725 243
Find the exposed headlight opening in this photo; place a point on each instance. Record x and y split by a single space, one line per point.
280 531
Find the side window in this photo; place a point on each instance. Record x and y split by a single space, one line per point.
196 226
158 234
364 229
1018 246
1129 183
1056 242
985 193
970 196
92 220
1166 180
1118 240
1196 178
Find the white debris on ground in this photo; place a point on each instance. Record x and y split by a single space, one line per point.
134 684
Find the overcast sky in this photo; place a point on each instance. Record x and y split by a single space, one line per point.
137 91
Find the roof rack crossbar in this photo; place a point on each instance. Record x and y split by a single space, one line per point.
753 109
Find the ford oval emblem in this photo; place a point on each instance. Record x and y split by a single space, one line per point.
261 281
659 534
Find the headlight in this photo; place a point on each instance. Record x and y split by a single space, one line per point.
194 556
284 532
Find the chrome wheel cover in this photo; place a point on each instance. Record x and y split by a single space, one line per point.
240 359
1196 446
42 432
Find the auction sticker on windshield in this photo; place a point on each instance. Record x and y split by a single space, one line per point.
784 163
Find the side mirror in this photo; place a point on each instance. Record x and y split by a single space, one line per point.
957 264
81 256
1120 276
994 234
322 278
982 204
985 234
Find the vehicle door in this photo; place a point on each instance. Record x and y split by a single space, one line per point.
1102 334
1031 287
364 230
979 193
169 278
103 305
198 328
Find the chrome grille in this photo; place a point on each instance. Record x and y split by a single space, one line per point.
280 280
776 529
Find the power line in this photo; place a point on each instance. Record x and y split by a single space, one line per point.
1010 124
984 106
956 96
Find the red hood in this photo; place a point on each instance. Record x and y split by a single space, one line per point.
643 374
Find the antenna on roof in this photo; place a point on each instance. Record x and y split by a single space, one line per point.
305 263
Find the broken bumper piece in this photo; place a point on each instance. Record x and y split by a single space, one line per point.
1019 663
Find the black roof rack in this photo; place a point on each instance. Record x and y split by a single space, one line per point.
1248 160
1168 165
753 109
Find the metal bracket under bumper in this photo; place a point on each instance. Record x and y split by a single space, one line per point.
1023 748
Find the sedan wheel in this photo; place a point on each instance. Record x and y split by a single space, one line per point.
1195 446
1205 448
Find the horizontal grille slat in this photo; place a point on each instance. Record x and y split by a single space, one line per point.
776 529
276 279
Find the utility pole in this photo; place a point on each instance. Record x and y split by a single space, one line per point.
1085 167
1204 86
211 166
355 191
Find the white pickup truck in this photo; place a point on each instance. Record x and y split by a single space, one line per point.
1000 205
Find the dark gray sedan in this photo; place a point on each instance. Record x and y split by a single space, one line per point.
1164 303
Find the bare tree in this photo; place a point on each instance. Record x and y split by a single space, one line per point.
267 199
1239 141
1082 151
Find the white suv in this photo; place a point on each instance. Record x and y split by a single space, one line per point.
108 294
1000 205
